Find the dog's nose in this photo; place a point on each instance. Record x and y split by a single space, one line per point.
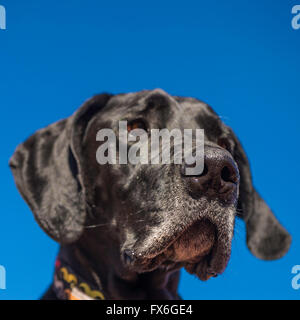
219 178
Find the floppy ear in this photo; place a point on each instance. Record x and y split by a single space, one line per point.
266 237
48 175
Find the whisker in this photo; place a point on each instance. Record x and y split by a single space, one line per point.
96 225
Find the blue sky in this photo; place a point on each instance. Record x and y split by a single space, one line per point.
241 57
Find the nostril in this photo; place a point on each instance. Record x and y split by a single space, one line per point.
227 175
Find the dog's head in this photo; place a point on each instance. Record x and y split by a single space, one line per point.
158 216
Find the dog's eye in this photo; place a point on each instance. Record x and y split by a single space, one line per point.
224 143
136 124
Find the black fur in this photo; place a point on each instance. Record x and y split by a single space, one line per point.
139 210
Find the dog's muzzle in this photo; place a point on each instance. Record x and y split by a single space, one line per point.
202 248
200 241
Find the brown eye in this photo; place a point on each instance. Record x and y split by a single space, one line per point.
224 143
136 124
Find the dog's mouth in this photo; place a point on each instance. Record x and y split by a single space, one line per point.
195 249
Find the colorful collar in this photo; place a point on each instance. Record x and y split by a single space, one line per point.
69 286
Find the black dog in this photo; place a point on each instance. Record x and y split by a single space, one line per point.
126 230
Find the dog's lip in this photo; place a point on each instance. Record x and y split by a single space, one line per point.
173 239
211 265
139 258
150 262
203 267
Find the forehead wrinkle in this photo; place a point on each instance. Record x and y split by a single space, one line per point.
157 106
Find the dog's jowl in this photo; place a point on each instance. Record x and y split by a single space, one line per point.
125 230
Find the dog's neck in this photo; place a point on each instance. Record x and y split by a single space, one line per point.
84 274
